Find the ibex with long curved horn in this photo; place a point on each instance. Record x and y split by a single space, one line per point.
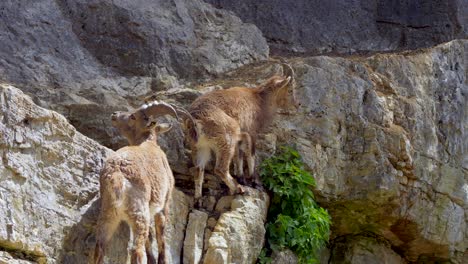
227 122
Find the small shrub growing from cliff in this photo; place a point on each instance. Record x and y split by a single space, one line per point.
295 220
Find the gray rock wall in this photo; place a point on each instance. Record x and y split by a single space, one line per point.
349 26
87 59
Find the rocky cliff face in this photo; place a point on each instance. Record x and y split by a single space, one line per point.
50 203
385 137
384 134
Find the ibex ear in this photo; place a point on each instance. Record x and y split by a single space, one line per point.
282 82
162 128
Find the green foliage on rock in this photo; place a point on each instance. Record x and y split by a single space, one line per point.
295 220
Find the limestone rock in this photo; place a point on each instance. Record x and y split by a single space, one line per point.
224 204
364 250
194 237
383 136
189 38
176 226
239 234
348 26
7 258
284 257
49 174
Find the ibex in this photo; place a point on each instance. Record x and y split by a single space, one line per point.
136 184
227 122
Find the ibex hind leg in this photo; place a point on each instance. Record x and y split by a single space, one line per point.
139 224
203 155
160 221
247 146
149 251
223 160
106 227
239 163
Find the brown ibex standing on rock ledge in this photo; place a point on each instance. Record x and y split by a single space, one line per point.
227 122
136 184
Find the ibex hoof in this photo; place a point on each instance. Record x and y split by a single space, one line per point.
198 203
240 189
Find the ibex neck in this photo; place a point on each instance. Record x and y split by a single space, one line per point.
268 109
149 136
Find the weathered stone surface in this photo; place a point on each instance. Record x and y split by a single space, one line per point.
347 26
188 38
383 136
79 244
364 250
49 192
175 229
86 59
224 204
239 234
194 237
49 173
284 257
7 258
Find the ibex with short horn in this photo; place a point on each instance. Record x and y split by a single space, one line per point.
136 184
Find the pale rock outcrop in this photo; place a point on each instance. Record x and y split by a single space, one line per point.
49 174
386 138
7 258
362 249
239 234
194 237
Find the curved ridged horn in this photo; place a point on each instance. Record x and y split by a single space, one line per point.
157 109
187 116
288 70
183 113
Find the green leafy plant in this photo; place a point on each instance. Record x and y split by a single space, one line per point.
295 220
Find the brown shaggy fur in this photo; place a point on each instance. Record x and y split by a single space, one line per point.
227 122
136 184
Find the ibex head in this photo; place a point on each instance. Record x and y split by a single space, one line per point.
137 125
282 88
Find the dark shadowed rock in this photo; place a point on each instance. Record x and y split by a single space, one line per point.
188 38
314 26
87 59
